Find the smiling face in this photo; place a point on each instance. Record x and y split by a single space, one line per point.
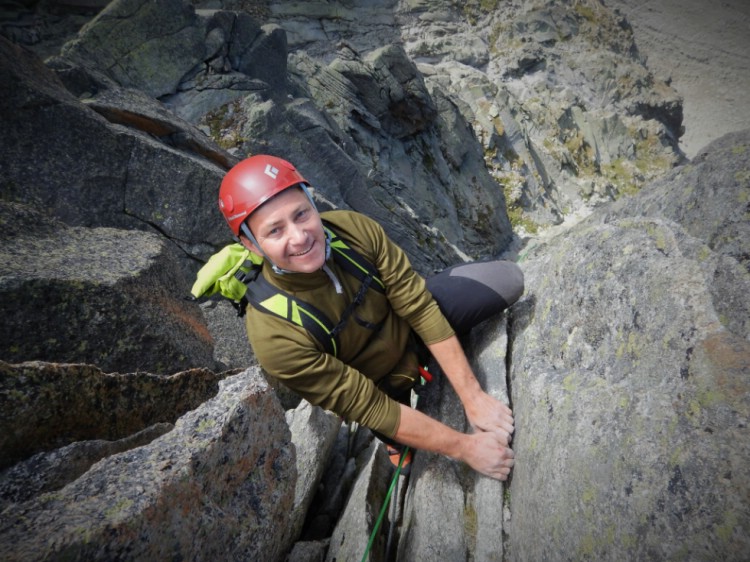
289 231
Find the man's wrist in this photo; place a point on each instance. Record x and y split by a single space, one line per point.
469 392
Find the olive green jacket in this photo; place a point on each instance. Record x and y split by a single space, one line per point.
350 384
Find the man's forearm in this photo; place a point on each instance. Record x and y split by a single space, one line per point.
423 432
452 360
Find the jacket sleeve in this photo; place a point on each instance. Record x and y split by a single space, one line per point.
288 354
405 288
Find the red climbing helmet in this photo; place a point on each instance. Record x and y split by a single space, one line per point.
251 183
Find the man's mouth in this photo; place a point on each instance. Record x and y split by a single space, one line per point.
298 254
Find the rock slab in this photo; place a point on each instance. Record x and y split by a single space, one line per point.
630 383
219 486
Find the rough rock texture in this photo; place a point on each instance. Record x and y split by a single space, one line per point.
452 513
126 33
703 50
109 297
314 434
135 109
393 109
202 491
231 346
710 200
242 57
628 357
47 405
336 482
430 190
513 71
352 534
629 377
47 472
90 172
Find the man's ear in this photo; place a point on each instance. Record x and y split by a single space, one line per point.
245 241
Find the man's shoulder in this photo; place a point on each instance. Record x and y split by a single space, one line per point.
349 221
359 230
343 217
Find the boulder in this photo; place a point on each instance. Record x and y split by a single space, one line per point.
46 405
352 534
629 377
108 297
90 172
219 486
709 199
141 44
50 471
314 434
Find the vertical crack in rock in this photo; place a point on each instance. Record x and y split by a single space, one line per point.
506 509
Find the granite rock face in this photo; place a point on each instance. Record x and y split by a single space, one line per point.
629 376
46 405
109 297
50 471
140 172
709 200
203 490
142 44
450 512
462 128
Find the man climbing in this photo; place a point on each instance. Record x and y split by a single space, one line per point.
382 317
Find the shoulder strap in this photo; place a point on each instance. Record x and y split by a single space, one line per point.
267 298
353 262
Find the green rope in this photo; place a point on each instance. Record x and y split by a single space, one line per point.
385 505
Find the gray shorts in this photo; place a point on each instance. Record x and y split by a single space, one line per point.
469 293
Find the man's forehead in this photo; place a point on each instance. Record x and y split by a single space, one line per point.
293 197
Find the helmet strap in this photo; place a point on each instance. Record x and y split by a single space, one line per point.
250 236
306 191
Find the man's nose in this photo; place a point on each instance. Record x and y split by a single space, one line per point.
297 234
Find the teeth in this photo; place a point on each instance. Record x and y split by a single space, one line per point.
303 253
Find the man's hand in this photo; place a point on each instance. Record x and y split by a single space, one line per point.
483 451
486 450
486 413
486 454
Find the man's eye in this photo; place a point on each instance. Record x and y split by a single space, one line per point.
303 214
